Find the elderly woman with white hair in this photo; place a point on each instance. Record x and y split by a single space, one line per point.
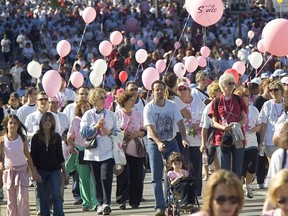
228 115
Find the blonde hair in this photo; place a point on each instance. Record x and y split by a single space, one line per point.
200 75
264 84
230 180
225 78
278 180
242 91
213 88
277 84
94 94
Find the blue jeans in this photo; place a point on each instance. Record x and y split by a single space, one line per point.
236 157
156 164
50 181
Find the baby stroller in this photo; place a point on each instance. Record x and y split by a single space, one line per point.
174 207
185 188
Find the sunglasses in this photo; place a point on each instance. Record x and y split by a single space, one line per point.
231 199
42 99
102 98
282 200
182 89
274 90
231 83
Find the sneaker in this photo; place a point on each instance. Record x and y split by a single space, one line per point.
106 210
78 202
261 186
249 192
159 212
99 210
122 206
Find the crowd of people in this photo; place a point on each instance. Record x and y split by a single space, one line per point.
237 124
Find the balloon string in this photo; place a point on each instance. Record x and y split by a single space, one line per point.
204 36
137 72
264 65
181 35
77 52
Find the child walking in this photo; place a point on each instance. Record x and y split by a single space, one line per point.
14 160
180 180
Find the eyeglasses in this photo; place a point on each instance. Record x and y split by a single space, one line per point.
282 200
230 83
133 89
182 89
231 199
274 90
42 99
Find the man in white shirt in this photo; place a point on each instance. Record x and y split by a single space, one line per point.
160 118
16 74
200 91
30 106
65 95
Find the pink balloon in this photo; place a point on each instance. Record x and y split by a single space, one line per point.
155 40
133 40
179 69
177 45
140 43
105 48
160 65
205 51
260 46
144 7
238 42
116 38
234 73
89 15
77 79
206 12
63 48
191 64
141 56
149 75
275 35
132 25
51 82
201 61
239 67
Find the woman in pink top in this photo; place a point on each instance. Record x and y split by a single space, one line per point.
13 145
129 182
76 145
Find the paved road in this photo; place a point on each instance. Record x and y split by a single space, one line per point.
252 206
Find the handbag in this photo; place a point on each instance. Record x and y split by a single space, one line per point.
81 158
227 142
118 152
91 143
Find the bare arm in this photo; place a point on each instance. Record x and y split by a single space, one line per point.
182 130
186 114
262 132
204 134
154 136
244 117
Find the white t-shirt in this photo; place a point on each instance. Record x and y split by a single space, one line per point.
196 108
198 94
269 115
276 164
64 122
69 110
24 111
180 105
280 122
67 95
206 120
253 120
162 118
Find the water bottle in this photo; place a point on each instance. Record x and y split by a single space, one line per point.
204 159
262 151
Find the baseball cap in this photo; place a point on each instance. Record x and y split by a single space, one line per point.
278 72
265 75
284 80
256 80
185 84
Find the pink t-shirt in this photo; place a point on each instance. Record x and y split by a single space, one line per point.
131 123
74 132
173 175
14 152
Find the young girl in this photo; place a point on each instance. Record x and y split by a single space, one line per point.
46 152
13 145
180 181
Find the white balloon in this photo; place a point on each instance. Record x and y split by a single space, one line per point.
34 69
255 59
141 56
100 66
179 69
95 79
